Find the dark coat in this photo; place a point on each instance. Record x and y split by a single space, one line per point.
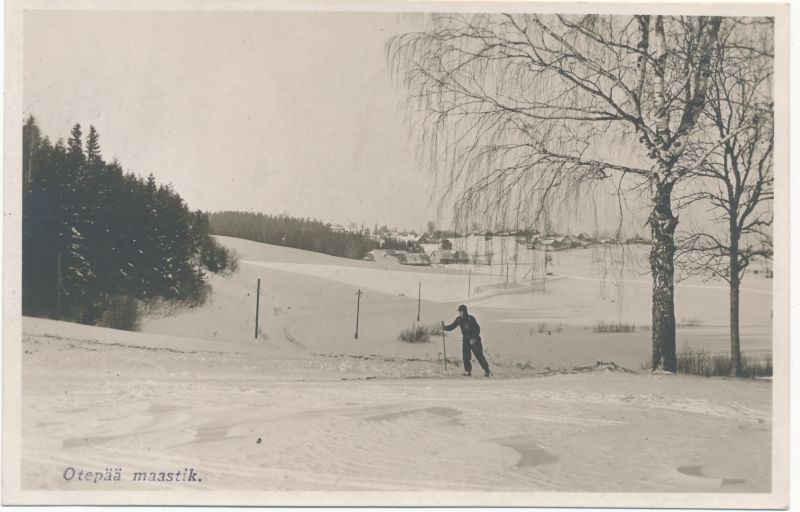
469 327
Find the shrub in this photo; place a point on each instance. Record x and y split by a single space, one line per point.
435 330
217 258
719 365
420 333
193 292
416 334
689 322
613 327
122 312
542 328
752 369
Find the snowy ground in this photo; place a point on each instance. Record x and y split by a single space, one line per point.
311 299
306 407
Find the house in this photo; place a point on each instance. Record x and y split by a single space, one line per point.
484 258
430 248
568 241
418 259
409 258
408 238
546 244
401 257
446 257
638 239
378 255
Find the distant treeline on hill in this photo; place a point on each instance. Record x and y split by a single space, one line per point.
307 234
95 237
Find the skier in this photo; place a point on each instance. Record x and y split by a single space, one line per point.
471 340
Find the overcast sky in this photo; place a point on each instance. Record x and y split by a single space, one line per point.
271 112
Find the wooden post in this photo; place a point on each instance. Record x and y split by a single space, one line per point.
544 276
506 274
358 310
419 300
469 283
444 349
258 297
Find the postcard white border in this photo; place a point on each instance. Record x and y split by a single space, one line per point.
11 435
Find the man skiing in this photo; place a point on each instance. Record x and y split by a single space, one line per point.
471 340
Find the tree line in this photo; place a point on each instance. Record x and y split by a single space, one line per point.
93 235
298 233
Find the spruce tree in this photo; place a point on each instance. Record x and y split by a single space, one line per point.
30 144
93 155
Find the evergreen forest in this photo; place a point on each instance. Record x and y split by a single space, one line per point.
98 241
307 234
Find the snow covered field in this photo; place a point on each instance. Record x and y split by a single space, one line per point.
306 407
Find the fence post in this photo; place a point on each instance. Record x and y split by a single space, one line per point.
358 310
444 349
258 298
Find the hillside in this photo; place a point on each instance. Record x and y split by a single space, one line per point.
307 408
311 298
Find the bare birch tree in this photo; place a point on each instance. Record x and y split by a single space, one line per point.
515 109
735 180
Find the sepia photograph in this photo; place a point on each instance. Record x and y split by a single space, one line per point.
391 254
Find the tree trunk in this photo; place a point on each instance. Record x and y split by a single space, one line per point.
662 251
58 287
736 357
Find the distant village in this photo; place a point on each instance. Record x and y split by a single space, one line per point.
444 248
